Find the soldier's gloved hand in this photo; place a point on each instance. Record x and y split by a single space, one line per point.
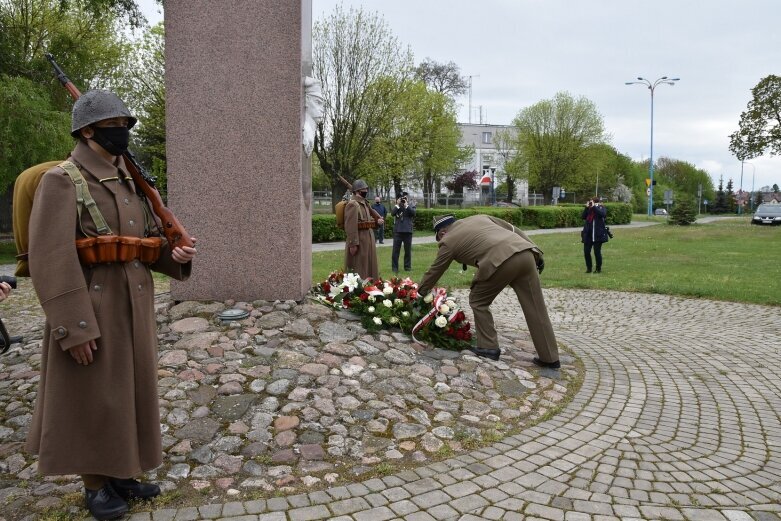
540 264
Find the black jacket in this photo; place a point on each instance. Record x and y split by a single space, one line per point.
402 218
594 231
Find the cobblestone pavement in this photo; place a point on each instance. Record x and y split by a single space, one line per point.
677 419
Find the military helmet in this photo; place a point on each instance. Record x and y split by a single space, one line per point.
360 184
97 105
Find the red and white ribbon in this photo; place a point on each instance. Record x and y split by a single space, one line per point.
373 291
440 295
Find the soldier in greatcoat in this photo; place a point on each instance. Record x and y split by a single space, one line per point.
360 219
504 256
96 411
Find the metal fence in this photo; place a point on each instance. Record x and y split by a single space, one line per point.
322 200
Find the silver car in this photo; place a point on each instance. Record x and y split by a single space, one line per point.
767 214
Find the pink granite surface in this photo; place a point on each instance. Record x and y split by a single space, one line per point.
237 176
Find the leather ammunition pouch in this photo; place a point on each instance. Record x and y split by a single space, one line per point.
367 225
118 248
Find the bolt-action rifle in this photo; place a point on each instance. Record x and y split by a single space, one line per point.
174 232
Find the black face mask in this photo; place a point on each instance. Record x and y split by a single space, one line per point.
363 194
113 139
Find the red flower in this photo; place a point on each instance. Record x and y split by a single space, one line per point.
364 296
402 293
326 287
346 303
413 294
459 335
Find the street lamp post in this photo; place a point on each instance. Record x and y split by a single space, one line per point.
664 80
753 174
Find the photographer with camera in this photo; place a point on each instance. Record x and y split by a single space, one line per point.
403 214
594 232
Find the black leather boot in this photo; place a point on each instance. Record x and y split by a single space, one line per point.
493 354
547 365
133 489
105 503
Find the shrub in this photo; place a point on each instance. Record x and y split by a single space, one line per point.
684 212
562 216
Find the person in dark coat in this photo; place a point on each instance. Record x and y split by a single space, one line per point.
379 231
594 232
403 214
96 411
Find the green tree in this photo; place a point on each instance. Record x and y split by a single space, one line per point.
683 178
143 89
557 141
775 188
759 129
684 212
362 68
85 37
720 203
31 129
729 195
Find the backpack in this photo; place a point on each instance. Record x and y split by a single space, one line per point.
340 213
24 193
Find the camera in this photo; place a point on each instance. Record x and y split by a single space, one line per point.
9 279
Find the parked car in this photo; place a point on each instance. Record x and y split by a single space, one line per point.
767 214
660 211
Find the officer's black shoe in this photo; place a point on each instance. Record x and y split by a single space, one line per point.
493 354
549 365
133 489
105 503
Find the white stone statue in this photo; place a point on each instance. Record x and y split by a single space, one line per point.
313 103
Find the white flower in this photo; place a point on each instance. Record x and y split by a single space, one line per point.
444 309
405 314
441 321
371 298
377 320
337 304
370 309
428 298
393 320
398 302
451 304
387 303
388 290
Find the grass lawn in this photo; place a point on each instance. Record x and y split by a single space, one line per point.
727 260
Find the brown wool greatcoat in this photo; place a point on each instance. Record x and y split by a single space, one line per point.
504 256
364 262
102 418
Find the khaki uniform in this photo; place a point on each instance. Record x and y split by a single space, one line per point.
504 256
24 191
102 418
364 262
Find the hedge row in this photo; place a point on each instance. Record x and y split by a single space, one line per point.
324 227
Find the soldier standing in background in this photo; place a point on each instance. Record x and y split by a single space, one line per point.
360 252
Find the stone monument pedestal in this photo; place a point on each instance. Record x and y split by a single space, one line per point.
238 179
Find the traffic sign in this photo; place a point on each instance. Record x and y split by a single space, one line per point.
647 181
648 192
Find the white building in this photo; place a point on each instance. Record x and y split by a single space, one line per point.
489 161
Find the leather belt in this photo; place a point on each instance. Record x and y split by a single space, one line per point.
118 248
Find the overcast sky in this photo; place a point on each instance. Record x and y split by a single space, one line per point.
523 51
